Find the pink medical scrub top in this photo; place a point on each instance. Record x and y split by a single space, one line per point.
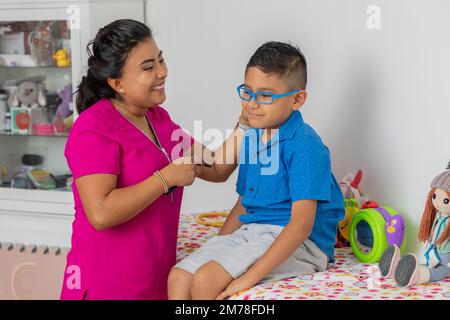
131 260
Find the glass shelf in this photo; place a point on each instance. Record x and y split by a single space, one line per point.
68 68
26 61
7 185
14 134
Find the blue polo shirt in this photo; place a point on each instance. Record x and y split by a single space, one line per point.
294 165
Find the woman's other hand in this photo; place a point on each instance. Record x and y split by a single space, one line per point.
181 172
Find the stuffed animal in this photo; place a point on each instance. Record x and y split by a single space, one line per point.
350 186
63 109
350 189
28 94
434 230
62 58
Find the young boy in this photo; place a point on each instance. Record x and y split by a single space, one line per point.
285 220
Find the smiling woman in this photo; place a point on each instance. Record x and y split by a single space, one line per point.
108 72
127 188
143 78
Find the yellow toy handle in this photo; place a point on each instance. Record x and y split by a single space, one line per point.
200 218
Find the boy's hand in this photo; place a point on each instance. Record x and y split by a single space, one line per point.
237 285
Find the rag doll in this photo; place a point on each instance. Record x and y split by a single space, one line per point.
434 230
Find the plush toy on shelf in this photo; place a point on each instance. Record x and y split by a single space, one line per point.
434 230
64 110
62 58
29 93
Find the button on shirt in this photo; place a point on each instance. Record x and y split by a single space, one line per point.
294 165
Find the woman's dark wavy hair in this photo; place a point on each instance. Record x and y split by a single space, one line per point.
110 50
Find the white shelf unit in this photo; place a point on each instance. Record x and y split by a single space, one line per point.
37 216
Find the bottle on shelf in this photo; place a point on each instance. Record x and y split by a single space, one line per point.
8 122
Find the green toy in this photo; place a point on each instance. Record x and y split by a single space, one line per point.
376 228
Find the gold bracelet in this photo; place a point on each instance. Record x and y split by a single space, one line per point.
161 179
166 187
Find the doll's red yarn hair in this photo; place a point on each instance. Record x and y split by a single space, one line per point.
428 217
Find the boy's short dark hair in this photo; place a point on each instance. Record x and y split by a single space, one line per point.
282 59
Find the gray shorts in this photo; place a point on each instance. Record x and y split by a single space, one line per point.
236 252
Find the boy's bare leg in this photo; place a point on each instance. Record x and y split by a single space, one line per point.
179 284
209 281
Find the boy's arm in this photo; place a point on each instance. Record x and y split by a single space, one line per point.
224 160
298 229
232 222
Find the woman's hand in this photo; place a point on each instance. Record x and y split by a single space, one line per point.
181 172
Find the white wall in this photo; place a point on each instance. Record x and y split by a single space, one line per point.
380 99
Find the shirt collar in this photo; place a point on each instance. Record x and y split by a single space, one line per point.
291 125
286 131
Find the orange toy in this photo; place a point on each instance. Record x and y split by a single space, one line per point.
201 218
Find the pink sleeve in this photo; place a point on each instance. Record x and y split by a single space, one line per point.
92 153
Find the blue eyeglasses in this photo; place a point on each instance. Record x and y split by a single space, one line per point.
261 97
